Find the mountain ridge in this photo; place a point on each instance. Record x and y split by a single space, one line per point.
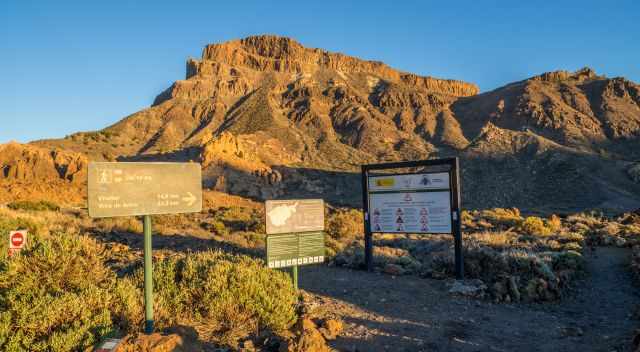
265 115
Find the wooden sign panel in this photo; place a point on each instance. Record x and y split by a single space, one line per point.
129 189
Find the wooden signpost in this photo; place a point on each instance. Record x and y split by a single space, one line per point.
294 233
424 202
130 189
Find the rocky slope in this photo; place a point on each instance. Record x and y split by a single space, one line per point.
28 172
268 117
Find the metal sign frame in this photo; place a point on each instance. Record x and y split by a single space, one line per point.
454 189
275 232
111 175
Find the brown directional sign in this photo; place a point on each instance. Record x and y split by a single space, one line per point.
301 215
127 189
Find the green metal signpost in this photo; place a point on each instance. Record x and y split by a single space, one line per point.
148 276
294 234
133 189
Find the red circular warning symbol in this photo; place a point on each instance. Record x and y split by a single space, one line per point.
17 239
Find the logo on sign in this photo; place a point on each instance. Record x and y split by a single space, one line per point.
385 182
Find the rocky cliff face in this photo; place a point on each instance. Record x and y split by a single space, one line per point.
269 117
24 162
30 172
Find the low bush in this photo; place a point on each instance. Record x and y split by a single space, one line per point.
58 294
41 205
345 224
535 226
503 217
225 297
55 296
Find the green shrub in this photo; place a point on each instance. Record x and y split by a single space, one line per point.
58 295
219 228
41 205
225 297
55 296
554 223
345 224
503 217
535 226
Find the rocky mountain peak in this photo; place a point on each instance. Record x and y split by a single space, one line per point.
269 53
268 117
581 75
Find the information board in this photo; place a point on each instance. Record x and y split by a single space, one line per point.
296 215
413 212
291 249
128 189
420 202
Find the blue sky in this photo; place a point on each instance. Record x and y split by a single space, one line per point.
67 66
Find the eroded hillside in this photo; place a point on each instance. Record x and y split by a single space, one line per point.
268 117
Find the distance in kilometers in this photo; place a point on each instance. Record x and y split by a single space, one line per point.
410 212
290 249
129 189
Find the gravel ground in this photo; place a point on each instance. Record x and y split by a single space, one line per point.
386 313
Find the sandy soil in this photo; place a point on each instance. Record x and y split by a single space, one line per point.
385 313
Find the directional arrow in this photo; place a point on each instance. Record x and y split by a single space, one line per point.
190 199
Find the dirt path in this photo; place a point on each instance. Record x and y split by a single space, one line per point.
384 313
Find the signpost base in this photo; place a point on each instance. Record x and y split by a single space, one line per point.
294 276
148 276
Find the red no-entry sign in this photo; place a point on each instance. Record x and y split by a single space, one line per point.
17 239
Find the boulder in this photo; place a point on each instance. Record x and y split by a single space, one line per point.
331 328
393 269
473 288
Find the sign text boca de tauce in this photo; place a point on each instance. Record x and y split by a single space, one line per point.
410 203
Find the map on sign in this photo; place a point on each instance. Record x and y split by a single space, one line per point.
128 189
291 249
410 203
288 216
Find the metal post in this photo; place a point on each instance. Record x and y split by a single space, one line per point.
148 276
294 276
368 236
456 218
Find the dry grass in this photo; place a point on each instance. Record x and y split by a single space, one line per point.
69 296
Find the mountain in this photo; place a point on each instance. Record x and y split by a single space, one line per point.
268 117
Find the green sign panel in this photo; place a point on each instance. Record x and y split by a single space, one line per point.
291 249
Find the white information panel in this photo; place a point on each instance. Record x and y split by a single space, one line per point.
410 212
409 182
